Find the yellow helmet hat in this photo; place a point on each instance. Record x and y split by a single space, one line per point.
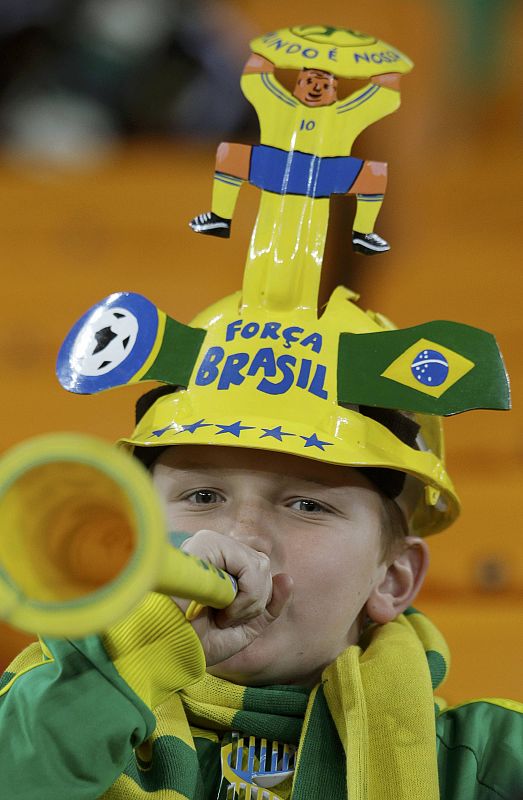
342 387
268 381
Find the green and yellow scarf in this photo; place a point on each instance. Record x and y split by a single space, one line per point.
366 732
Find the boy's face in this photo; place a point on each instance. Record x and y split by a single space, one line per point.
318 522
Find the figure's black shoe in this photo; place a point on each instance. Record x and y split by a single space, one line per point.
369 243
211 224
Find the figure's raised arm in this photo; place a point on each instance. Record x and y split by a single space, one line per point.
256 64
391 80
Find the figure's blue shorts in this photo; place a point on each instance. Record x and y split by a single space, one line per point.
294 172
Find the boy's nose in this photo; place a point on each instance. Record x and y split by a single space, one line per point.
252 526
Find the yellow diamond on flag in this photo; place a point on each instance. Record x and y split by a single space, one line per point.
428 367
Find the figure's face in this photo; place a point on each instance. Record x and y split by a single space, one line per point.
318 522
316 88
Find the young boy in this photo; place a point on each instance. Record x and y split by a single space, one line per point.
317 681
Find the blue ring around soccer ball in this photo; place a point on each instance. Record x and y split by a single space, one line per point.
430 367
146 314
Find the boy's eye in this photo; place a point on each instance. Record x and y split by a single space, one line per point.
308 506
204 497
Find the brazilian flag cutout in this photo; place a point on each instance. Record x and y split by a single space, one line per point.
439 368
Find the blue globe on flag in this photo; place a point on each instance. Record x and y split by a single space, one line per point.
430 368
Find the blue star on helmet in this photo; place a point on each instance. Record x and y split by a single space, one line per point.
194 426
313 441
275 433
235 429
161 431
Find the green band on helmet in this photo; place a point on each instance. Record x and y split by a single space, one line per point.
177 356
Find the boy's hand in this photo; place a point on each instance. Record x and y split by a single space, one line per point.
260 600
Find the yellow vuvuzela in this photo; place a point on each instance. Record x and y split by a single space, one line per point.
83 539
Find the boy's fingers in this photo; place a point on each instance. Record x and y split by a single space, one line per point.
224 633
254 588
260 600
251 568
282 586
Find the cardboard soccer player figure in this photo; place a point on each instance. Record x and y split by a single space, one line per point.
301 453
306 137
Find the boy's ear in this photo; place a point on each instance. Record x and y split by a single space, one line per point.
402 581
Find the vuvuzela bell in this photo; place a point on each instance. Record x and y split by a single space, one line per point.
83 539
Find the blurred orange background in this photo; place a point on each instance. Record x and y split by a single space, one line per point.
452 214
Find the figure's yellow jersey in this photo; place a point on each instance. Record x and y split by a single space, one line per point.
288 124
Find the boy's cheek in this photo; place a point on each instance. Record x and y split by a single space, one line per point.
191 521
